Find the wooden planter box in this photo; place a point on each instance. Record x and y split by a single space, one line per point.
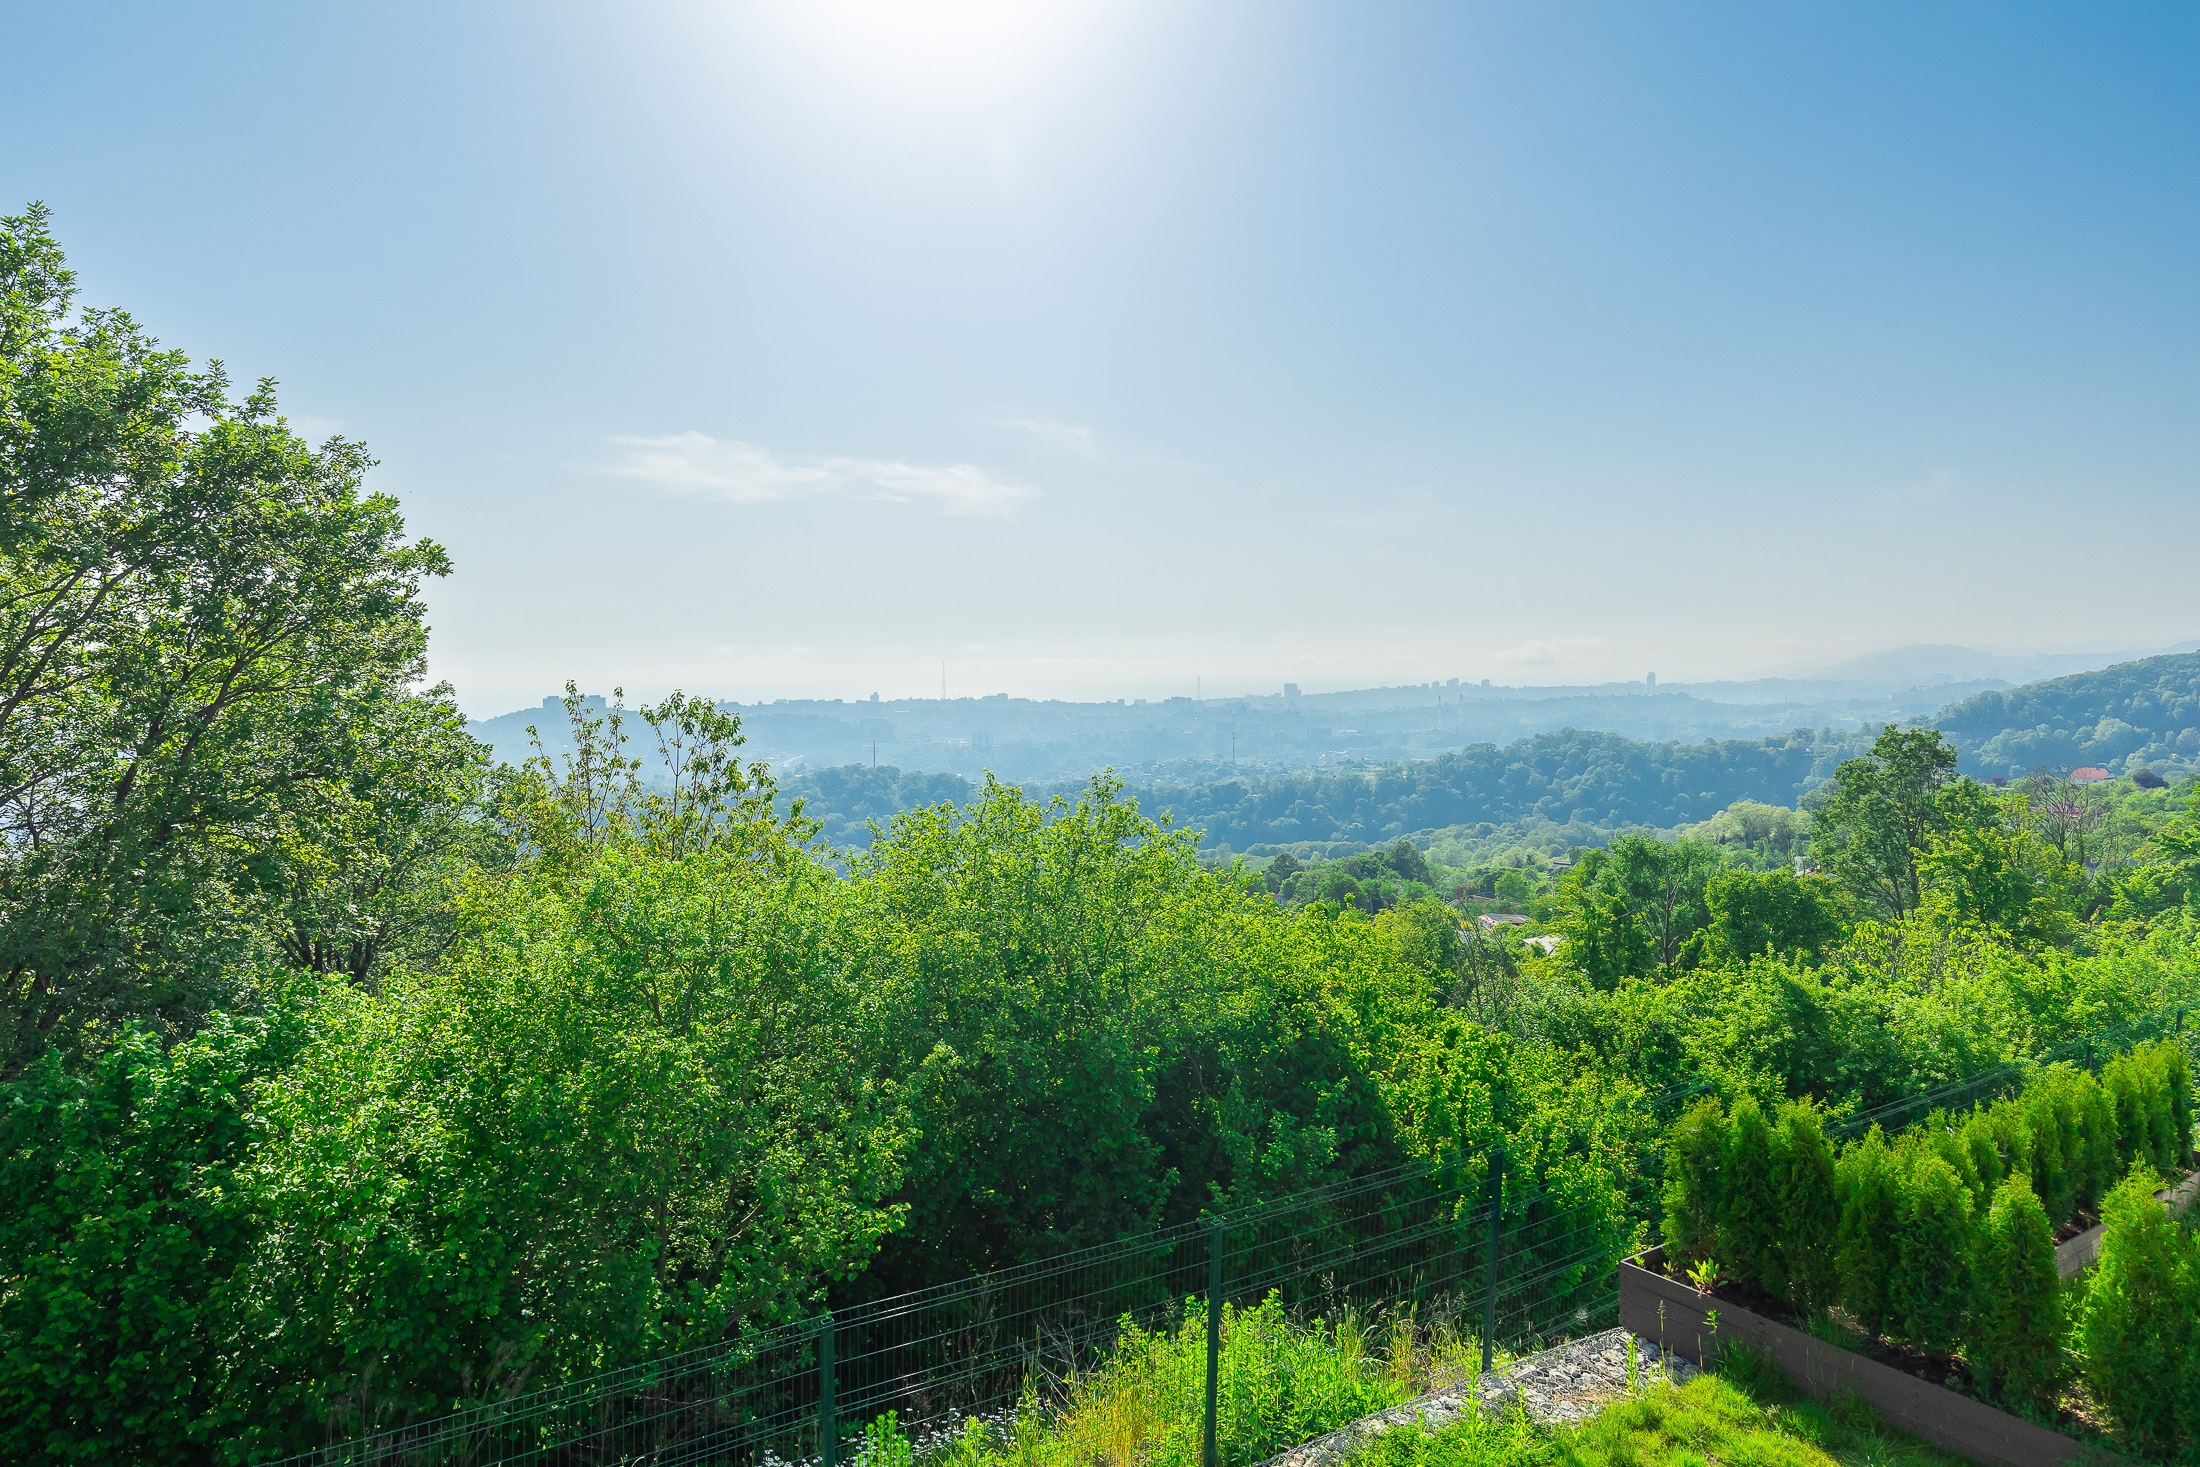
1671 1313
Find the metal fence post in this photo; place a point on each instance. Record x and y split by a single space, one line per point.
1489 1271
828 1428
1208 1457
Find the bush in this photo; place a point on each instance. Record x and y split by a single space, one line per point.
1695 1152
1749 1210
2058 1159
1928 1280
125 1226
2136 1330
1868 1178
1807 1206
2015 1341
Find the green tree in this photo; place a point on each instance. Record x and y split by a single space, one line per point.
1871 822
1750 1220
637 1107
211 645
1806 1207
2014 1343
1928 1283
1869 1177
2135 1330
128 1223
1636 909
1695 1181
1985 866
1774 911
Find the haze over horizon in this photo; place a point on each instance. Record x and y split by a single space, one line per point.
1109 350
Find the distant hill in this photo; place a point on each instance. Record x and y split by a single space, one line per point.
1923 665
1565 778
2135 715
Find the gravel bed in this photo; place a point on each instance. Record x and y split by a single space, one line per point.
1557 1387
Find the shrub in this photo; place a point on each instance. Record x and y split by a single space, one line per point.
2058 1162
2177 1068
1807 1206
2098 1155
1981 1137
1694 1154
1749 1209
2136 1329
1869 1183
1928 1280
2015 1340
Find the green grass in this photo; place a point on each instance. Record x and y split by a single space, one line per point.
1282 1382
1736 1420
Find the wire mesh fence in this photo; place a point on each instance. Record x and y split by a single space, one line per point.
1014 1340
1504 1260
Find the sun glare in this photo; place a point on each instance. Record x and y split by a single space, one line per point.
948 52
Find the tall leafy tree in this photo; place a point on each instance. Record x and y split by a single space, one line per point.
1871 822
1637 908
211 646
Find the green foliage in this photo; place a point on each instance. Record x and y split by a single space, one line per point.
1774 912
1929 1254
1985 866
1872 824
1713 1419
1280 1384
2137 1323
2014 1345
1695 1181
1636 909
126 1219
628 1114
2119 717
1749 1204
1869 1178
1806 1207
213 743
1608 781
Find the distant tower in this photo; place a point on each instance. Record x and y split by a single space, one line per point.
1652 679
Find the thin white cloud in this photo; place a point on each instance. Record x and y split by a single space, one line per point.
742 473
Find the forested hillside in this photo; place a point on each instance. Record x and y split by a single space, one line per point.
1572 777
2125 717
352 1078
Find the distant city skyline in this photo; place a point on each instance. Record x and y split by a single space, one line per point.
790 350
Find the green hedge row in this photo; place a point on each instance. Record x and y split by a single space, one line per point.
1941 1238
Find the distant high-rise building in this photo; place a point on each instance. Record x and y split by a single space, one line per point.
1290 690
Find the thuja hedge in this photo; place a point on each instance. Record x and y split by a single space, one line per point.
1940 1238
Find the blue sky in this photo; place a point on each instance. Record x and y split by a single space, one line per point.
1091 349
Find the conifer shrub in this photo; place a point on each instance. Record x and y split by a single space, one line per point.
2136 1329
1695 1153
2177 1069
1750 1223
2014 1343
1928 1272
1807 1205
2058 1160
2137 1088
1868 1180
1982 1141
2100 1154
